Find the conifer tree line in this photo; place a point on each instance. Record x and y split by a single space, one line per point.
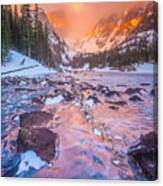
120 60
23 31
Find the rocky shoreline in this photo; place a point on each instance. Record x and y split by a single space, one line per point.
80 125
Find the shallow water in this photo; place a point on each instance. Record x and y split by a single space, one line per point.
93 137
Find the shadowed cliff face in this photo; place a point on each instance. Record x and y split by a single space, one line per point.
96 116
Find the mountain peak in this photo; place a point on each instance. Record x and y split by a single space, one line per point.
111 31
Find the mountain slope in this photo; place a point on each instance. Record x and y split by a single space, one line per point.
111 32
61 52
145 35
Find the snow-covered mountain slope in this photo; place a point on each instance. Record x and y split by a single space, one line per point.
145 35
130 27
61 52
21 65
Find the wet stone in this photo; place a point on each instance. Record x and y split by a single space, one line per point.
94 99
121 85
121 154
83 153
114 107
41 140
99 176
85 142
131 91
36 118
135 99
68 96
119 103
145 84
25 89
103 89
143 153
36 100
96 159
10 164
111 93
153 92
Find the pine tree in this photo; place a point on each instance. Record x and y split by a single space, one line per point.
34 36
16 31
26 29
10 19
25 33
5 32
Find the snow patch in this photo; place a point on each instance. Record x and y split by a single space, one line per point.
97 132
145 68
18 61
90 102
53 39
29 159
54 100
86 66
65 59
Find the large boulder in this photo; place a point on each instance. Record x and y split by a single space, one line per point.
145 154
33 135
41 140
35 119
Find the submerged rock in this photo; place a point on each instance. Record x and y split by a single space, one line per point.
153 92
145 84
131 91
114 107
68 96
25 89
119 103
111 93
135 98
94 99
145 154
103 89
36 100
10 164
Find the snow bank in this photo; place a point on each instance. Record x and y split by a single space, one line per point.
145 68
29 159
54 100
15 63
140 68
